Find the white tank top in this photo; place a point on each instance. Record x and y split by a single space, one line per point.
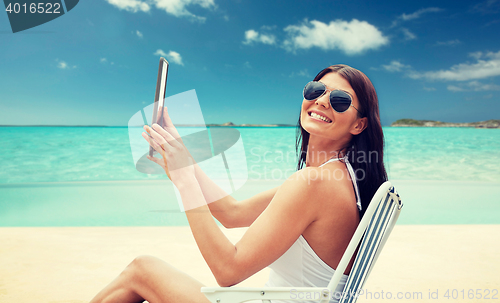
299 266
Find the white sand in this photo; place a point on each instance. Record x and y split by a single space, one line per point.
71 264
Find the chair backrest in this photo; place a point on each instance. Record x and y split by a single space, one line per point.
373 229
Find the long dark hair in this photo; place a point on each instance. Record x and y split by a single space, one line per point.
366 150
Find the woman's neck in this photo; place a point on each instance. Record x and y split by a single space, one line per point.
320 150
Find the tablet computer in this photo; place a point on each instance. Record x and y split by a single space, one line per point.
161 88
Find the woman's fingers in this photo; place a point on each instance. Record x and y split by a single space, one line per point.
156 160
168 143
164 139
162 162
171 140
170 149
153 143
167 122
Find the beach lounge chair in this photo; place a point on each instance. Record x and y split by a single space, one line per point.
373 231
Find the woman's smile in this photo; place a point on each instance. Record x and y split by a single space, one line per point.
319 116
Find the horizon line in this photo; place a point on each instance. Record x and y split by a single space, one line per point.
180 125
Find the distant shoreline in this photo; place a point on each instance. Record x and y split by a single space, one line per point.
252 125
178 125
398 123
432 123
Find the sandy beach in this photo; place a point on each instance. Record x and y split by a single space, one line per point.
71 264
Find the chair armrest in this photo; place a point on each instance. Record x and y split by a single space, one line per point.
244 294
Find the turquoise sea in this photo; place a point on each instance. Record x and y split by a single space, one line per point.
85 176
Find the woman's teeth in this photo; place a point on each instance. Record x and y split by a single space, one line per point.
315 115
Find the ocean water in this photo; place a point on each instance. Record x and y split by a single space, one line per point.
61 154
74 176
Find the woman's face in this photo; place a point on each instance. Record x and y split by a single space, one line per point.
339 126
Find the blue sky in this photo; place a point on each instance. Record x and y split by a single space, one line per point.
249 60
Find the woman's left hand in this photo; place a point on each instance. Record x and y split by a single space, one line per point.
177 161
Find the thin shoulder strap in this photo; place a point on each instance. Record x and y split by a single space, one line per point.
354 182
331 160
353 177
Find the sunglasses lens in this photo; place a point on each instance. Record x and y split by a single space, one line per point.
313 90
340 101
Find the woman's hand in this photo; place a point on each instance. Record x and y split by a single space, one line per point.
176 160
162 162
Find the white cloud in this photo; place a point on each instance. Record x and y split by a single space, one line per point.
130 5
173 57
62 65
476 55
301 73
473 86
419 13
455 88
178 7
448 43
105 61
408 35
173 7
352 37
415 15
487 7
396 66
487 65
252 36
139 34
160 52
268 27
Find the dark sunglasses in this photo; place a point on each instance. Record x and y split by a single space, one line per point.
339 99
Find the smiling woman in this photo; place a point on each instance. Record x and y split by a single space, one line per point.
286 224
365 140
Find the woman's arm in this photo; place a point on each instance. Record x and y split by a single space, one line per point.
227 210
273 232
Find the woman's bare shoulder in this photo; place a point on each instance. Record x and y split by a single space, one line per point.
330 183
318 184
332 175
